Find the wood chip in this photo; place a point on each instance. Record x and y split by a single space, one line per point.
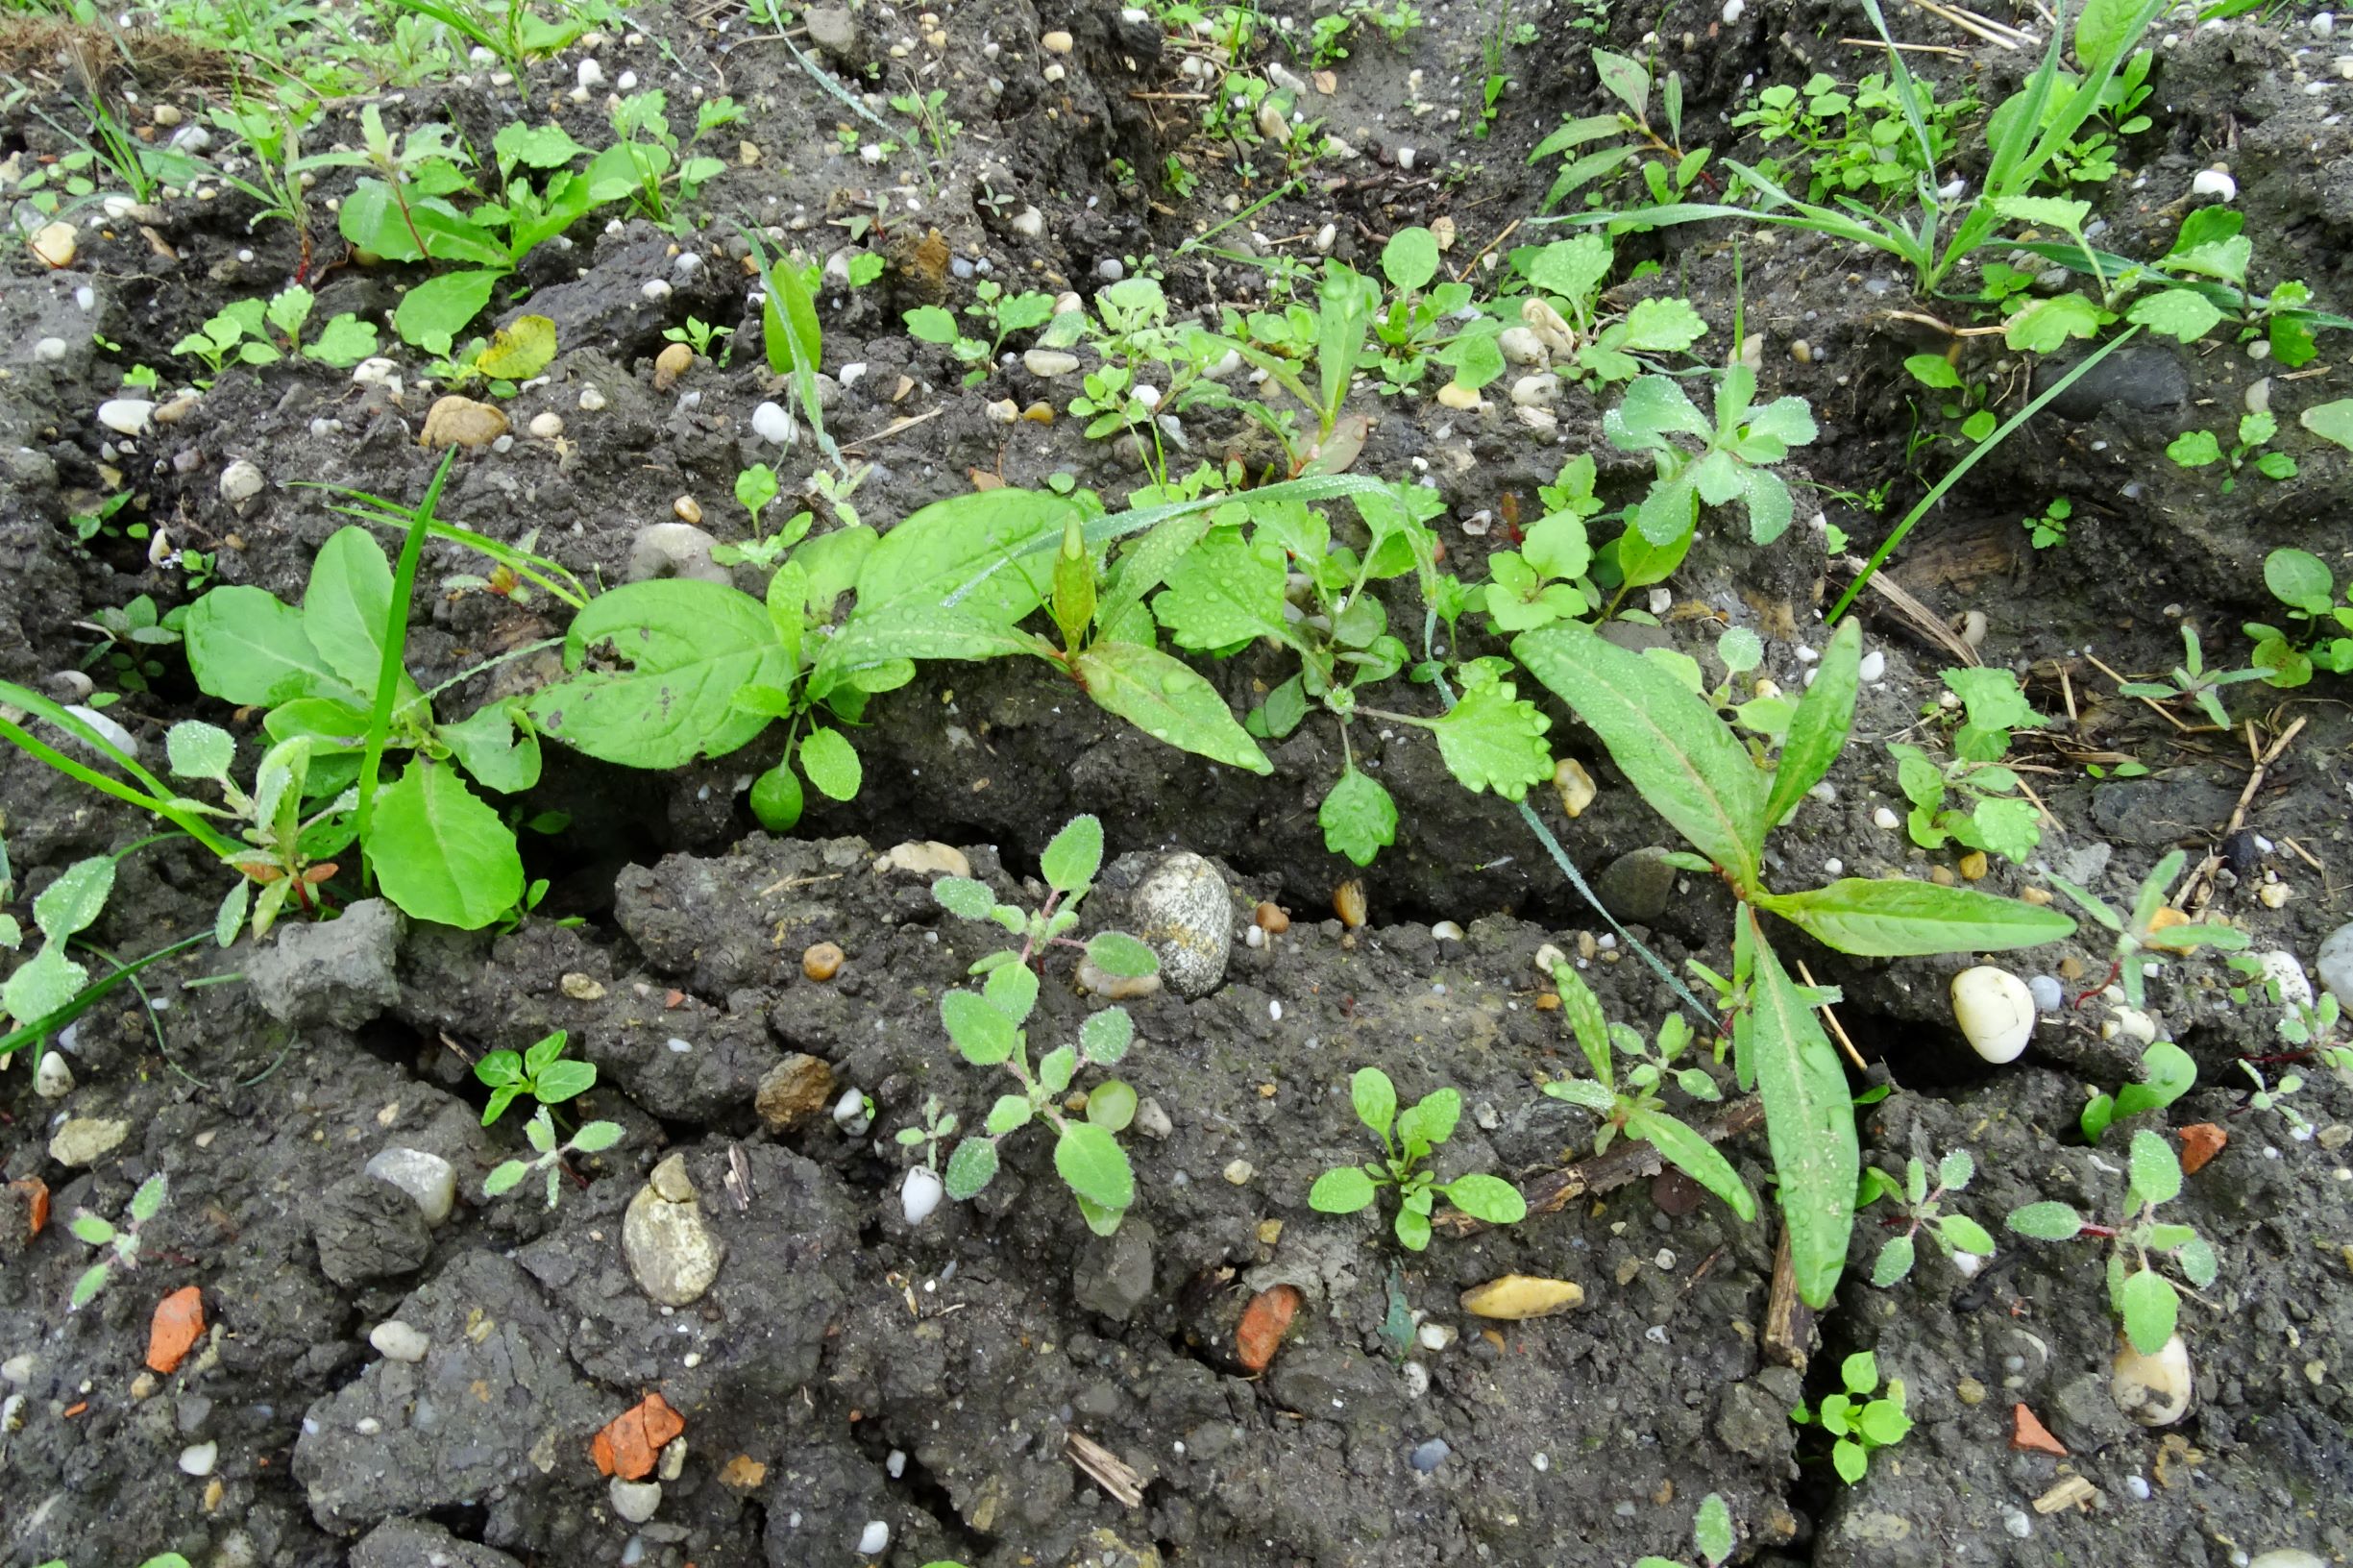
2074 1492
1789 1322
1107 1469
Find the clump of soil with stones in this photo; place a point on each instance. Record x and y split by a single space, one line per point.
726 1344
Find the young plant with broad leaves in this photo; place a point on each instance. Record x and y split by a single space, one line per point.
541 1070
548 1154
61 911
2191 679
1738 447
1859 1423
986 1027
699 669
2144 1300
1409 1138
121 1242
2142 943
2167 1072
2321 631
1993 814
1635 1108
1695 772
439 850
1921 1207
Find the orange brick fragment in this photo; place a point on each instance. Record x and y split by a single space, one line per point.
2029 1435
37 1202
631 1441
2200 1142
178 1324
1264 1322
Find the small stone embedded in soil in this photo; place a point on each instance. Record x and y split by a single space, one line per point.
927 857
582 987
673 549
53 244
772 425
178 1323
2153 1391
85 1140
454 421
919 1194
1185 913
428 1178
2334 965
547 425
671 1251
2029 1435
1348 903
2048 994
1638 885
53 1078
1046 364
798 1087
1574 784
241 481
1058 42
635 1501
1427 1457
627 1446
1517 1296
199 1458
398 1341
672 363
822 961
127 416
875 1539
1239 1172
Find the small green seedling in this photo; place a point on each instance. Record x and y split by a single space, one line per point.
541 1072
1741 444
1921 1206
697 335
1860 1423
2204 449
1711 1535
1407 1139
66 907
593 1138
932 1135
2049 529
1636 1107
2137 953
2190 678
2302 582
1997 818
985 1026
2145 1300
122 1242
2270 1096
2167 1073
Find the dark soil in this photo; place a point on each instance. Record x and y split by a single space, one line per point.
847 1369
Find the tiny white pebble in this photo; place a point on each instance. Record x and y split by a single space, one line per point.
1274 1011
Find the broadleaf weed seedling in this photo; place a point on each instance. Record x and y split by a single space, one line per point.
547 1155
1669 170
2167 1072
1408 1139
121 1242
2047 528
1994 816
1860 1424
1634 1107
540 1071
2140 950
2144 1300
2303 582
985 1026
1711 1536
1921 1206
2191 679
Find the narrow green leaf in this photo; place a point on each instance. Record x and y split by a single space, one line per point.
1810 1122
1696 1158
1895 918
1819 727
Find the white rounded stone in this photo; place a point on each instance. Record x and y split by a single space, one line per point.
241 481
53 1078
428 1178
2154 1390
773 425
635 1499
919 1194
1995 1009
127 416
199 1458
398 1341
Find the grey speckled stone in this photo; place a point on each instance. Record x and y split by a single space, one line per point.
672 1254
2335 964
1184 911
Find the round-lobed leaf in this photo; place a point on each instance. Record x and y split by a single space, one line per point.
1112 1105
1344 1191
777 799
1895 1262
1095 1165
1010 1113
983 1034
832 764
2150 1307
2156 1169
595 1137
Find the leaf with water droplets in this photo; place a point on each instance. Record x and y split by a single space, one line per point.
1167 700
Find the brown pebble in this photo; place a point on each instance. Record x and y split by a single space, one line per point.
1547 1002
1272 920
673 363
1974 866
1940 875
2036 897
821 961
1348 903
687 508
